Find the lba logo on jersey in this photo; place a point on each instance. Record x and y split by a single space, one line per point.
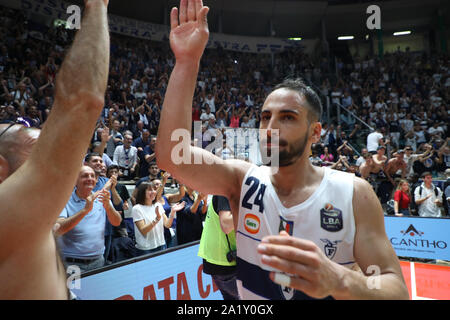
331 218
286 225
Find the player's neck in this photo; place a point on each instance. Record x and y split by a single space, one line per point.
295 176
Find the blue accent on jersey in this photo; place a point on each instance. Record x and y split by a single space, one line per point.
249 236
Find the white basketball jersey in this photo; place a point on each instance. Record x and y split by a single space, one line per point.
326 218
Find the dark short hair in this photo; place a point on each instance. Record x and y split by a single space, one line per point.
414 177
427 173
311 97
112 167
90 155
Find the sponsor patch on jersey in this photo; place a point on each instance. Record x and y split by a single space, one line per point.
331 218
286 225
251 223
330 247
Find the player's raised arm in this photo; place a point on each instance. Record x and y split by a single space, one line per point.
188 38
34 195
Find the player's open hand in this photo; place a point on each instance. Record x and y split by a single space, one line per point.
189 30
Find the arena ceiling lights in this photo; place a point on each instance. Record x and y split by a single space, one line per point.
402 33
346 37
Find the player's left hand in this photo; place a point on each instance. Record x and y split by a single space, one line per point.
302 264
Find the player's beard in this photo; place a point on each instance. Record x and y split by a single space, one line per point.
291 153
294 151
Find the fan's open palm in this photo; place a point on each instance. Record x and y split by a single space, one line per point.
179 206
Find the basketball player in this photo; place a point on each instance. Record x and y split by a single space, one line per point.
38 169
299 230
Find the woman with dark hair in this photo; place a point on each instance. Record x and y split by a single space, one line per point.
167 200
402 199
327 158
150 220
235 117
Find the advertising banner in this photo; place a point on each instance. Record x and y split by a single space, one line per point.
426 281
426 238
176 275
57 9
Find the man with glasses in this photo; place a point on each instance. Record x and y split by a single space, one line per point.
38 171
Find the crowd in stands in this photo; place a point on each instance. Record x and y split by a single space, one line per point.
393 124
393 130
